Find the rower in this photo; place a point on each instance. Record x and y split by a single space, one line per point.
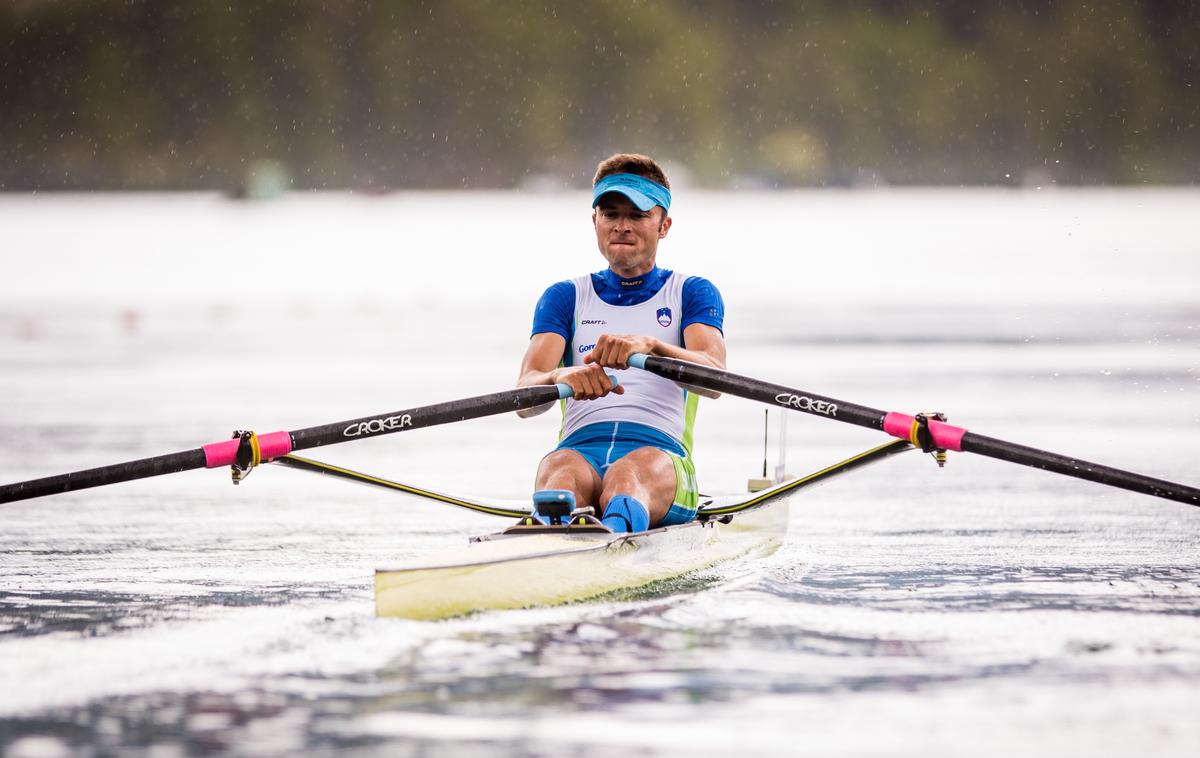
626 451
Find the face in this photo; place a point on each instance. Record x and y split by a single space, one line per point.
628 237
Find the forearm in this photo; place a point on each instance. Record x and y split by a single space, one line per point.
713 357
534 377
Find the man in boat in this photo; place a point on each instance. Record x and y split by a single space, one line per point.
625 451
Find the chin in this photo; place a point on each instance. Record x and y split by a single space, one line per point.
625 259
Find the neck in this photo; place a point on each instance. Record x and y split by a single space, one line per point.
633 272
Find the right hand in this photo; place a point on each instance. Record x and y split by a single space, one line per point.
586 382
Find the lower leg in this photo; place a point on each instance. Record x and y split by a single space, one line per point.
638 489
625 513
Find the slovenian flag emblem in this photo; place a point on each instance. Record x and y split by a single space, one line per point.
664 316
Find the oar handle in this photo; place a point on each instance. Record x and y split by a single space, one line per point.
565 391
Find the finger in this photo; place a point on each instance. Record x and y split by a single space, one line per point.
627 348
604 382
594 387
595 355
612 352
585 388
620 358
576 387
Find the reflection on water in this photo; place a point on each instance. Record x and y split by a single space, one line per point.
1141 589
829 631
979 609
95 613
723 638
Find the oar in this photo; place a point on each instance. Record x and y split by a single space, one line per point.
246 449
927 433
350 475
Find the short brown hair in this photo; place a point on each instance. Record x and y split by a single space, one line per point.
631 163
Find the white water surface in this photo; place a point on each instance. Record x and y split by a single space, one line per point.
981 609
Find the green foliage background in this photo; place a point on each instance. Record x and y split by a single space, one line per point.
485 93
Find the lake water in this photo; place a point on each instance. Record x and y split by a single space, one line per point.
982 609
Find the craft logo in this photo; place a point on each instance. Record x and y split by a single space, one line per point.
588 321
805 403
377 426
664 316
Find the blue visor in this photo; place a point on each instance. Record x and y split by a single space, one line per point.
642 192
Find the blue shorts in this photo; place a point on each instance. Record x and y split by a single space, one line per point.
605 443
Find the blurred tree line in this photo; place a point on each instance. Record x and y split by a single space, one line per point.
142 94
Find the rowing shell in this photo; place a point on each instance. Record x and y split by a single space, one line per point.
515 571
504 571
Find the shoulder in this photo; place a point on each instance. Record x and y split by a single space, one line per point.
564 290
555 310
699 288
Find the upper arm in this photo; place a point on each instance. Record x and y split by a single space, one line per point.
544 353
555 311
553 323
703 319
702 304
703 338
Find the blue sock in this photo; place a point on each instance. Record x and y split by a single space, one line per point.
626 514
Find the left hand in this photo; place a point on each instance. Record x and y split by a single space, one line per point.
613 350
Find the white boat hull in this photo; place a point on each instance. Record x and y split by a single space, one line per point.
511 571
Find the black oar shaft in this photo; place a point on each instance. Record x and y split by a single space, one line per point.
765 392
171 463
898 424
1080 469
222 453
429 415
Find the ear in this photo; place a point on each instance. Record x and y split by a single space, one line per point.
664 227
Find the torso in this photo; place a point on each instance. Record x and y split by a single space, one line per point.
648 399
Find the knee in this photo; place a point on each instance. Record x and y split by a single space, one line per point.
641 471
565 469
624 485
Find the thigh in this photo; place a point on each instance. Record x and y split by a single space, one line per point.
686 502
566 469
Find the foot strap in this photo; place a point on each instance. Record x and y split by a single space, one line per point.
553 507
